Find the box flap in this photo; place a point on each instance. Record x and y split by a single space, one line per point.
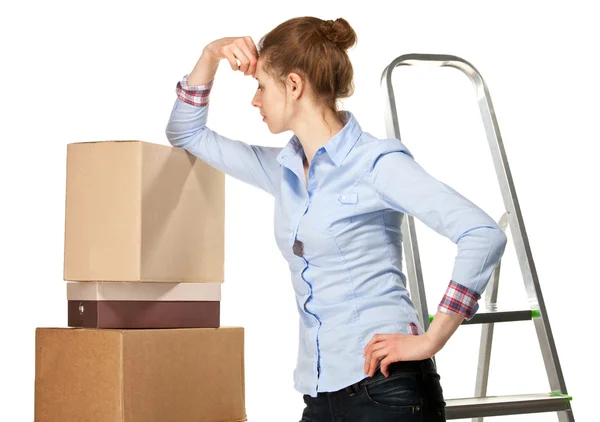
201 372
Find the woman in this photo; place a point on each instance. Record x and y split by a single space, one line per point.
340 196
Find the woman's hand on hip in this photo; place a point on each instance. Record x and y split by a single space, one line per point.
389 348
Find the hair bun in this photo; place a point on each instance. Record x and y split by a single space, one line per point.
339 32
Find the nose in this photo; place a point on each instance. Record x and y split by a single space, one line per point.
256 102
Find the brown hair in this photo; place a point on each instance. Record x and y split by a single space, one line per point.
316 49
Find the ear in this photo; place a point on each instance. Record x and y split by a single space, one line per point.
296 84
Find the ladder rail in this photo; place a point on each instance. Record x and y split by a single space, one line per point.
413 269
515 219
487 330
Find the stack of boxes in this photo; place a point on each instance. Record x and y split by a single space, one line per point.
144 266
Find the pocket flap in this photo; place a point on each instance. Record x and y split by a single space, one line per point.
348 198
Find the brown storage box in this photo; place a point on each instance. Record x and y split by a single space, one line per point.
173 375
115 304
138 211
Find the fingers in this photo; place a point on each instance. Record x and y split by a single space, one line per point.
248 60
374 354
254 55
375 358
250 43
244 51
230 56
384 366
374 340
242 57
368 351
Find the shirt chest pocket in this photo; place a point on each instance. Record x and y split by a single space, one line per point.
340 213
350 198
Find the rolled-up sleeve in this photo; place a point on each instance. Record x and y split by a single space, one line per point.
194 94
403 185
254 164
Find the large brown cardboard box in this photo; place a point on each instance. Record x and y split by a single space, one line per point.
171 375
139 211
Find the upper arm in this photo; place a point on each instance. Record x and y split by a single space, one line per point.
403 185
254 164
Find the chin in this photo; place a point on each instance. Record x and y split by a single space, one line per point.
275 131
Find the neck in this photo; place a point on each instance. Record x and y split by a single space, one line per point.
315 128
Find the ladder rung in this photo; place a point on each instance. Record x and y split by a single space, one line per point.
500 316
490 316
506 405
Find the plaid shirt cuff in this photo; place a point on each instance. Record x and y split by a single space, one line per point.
459 300
196 94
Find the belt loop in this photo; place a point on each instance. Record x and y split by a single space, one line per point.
423 368
353 389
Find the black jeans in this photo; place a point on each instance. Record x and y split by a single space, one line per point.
411 392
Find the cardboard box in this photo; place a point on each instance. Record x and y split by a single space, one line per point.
138 211
173 375
114 304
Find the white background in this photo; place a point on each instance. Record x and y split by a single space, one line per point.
82 71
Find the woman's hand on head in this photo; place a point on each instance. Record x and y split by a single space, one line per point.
234 49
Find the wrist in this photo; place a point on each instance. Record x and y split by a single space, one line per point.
441 329
208 56
204 71
433 342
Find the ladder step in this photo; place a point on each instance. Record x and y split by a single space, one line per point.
502 316
506 405
490 316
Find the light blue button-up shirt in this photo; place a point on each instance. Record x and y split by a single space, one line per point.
347 271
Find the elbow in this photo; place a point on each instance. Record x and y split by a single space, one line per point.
186 125
491 235
171 136
499 240
175 139
184 137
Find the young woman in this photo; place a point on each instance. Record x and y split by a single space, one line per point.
340 196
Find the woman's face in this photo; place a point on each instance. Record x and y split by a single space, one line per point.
271 98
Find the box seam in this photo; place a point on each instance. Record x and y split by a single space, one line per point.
121 375
140 157
65 217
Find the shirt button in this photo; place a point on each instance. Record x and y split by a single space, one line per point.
298 248
343 196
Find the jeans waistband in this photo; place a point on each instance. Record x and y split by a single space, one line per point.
412 367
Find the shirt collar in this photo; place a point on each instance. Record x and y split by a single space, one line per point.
337 147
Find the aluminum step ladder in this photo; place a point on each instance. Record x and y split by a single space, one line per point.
481 406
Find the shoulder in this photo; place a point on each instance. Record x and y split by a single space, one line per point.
375 148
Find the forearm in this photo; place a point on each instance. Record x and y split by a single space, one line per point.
204 71
441 329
